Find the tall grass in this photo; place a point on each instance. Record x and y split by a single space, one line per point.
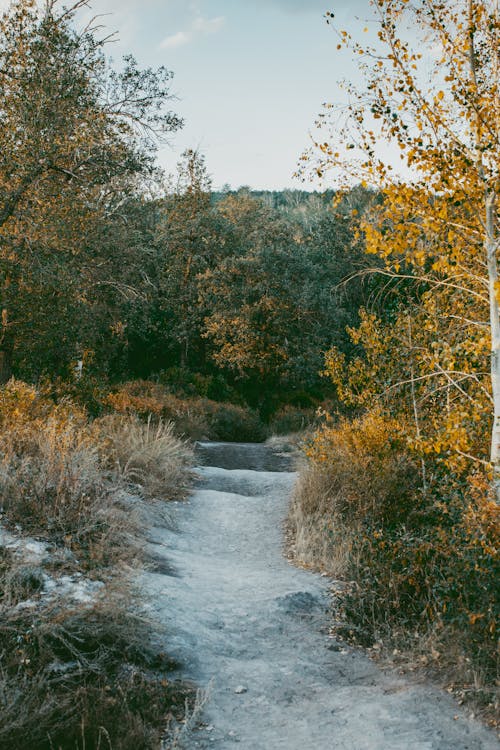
80 676
145 453
320 540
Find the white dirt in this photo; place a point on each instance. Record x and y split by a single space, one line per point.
244 621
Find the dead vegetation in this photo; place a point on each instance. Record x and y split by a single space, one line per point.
83 678
79 664
313 525
145 453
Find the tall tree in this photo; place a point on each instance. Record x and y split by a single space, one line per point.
190 238
438 100
75 138
277 303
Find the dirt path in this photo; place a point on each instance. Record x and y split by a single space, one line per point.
243 619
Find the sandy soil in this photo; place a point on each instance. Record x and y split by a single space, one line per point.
245 622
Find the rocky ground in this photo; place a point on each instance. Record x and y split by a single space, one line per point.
253 630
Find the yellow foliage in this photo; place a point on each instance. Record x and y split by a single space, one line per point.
365 460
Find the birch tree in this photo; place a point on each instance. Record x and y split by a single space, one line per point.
432 89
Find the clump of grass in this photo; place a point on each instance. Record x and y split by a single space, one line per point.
52 485
86 676
60 476
145 453
319 539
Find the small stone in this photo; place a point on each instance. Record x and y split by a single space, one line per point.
241 689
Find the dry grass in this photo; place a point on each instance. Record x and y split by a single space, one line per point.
355 472
62 478
419 569
83 679
80 676
319 539
194 417
52 485
148 454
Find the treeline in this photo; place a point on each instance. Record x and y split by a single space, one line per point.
110 271
245 295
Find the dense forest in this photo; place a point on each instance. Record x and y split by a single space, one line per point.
364 318
232 295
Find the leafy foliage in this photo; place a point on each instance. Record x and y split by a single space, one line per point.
423 367
422 566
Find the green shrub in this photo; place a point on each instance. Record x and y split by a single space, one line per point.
184 383
235 424
290 419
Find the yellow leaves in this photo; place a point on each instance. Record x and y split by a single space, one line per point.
475 616
497 290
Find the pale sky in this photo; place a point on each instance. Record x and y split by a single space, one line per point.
250 76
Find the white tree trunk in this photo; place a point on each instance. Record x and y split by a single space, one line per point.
491 245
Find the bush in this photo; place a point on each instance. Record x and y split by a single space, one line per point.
88 391
234 424
184 383
371 471
148 454
195 418
420 564
290 419
145 399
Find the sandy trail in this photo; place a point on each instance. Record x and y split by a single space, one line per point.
243 619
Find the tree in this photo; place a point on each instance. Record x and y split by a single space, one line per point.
440 225
277 303
76 137
190 237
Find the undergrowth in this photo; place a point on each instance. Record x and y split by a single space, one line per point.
195 417
81 675
82 678
420 566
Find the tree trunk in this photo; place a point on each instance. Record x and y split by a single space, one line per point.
5 365
491 253
415 407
